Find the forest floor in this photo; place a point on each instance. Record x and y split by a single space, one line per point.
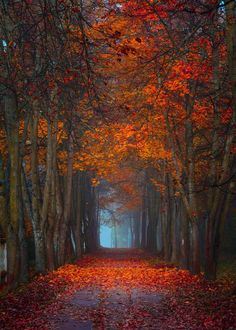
120 289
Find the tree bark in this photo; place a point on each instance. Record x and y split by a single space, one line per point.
12 125
64 228
40 253
144 217
184 238
24 262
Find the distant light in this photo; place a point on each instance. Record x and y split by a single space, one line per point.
105 236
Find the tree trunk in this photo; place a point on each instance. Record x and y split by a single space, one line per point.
4 216
52 217
152 206
24 262
184 238
137 230
75 216
144 218
174 233
40 253
196 263
50 256
12 125
210 262
59 217
231 49
214 232
64 230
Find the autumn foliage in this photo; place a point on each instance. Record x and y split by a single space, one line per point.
138 95
182 300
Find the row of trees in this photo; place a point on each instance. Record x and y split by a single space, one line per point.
199 116
171 71
94 89
44 73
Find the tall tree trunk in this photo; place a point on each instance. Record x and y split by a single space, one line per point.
24 262
64 229
59 217
174 233
12 125
4 221
75 216
4 216
91 217
184 238
78 218
40 253
196 263
137 230
52 218
144 218
23 204
165 241
231 50
189 197
214 232
153 207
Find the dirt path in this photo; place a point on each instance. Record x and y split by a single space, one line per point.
119 289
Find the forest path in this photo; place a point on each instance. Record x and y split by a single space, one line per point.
119 289
115 300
